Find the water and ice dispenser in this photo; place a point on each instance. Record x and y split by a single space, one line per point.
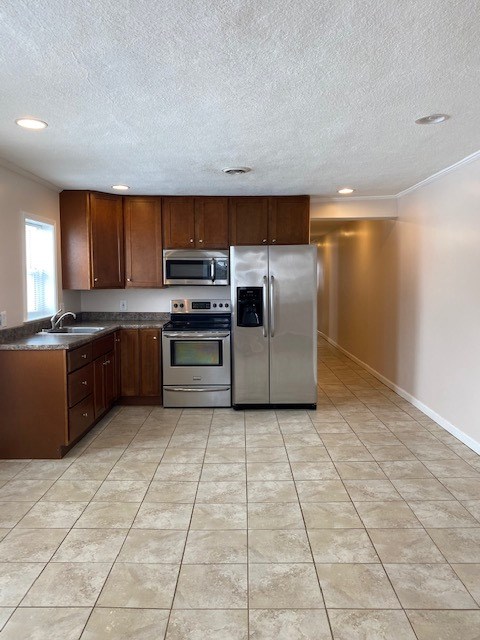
249 306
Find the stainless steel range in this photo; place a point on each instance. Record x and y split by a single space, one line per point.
196 354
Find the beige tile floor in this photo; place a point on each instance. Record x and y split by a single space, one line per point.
360 520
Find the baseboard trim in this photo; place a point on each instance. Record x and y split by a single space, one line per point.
442 422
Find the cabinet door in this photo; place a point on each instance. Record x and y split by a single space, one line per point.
149 362
129 363
106 229
117 349
211 223
99 386
248 221
178 215
109 374
143 242
289 220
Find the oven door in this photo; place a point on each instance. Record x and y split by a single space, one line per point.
196 357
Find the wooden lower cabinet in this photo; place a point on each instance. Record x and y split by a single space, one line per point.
80 418
105 383
140 372
50 398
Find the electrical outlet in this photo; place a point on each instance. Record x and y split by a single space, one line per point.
3 318
123 305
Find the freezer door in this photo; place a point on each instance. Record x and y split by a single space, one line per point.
250 365
293 324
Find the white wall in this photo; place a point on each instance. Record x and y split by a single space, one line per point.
353 208
146 299
404 297
20 195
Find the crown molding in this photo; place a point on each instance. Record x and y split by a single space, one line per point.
471 158
26 174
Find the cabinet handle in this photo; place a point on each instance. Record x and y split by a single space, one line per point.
84 382
84 356
191 239
273 241
85 415
200 240
106 362
264 240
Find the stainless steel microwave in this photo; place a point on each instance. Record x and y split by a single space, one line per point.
188 266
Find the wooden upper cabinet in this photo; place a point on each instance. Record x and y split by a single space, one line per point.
106 222
92 240
289 220
143 241
195 222
248 220
211 223
178 214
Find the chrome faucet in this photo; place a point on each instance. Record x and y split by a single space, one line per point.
57 322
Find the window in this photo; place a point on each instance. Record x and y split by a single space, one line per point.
40 264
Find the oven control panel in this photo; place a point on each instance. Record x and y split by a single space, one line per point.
200 306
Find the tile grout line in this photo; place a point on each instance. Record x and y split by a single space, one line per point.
190 521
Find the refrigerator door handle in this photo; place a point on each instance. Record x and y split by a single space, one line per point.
272 306
265 297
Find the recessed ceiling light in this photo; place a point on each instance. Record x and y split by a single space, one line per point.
120 187
435 118
31 123
236 171
345 191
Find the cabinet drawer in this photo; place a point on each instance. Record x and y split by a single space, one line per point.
79 357
80 384
103 346
80 417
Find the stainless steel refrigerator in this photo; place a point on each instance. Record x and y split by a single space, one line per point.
274 326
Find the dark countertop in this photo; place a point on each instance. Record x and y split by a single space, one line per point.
48 341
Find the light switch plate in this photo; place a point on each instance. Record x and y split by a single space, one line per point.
3 318
123 305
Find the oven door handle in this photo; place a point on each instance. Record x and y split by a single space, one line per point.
196 389
212 270
192 334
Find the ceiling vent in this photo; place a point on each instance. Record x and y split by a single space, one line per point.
236 171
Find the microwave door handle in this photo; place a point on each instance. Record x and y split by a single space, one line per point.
212 270
264 302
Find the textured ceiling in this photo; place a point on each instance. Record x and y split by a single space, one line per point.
311 94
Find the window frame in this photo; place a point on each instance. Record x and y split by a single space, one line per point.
52 223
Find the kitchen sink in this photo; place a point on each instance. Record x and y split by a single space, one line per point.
73 330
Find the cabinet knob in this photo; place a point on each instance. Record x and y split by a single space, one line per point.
200 240
84 356
154 337
117 339
191 239
273 241
264 240
95 279
84 382
85 415
129 280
